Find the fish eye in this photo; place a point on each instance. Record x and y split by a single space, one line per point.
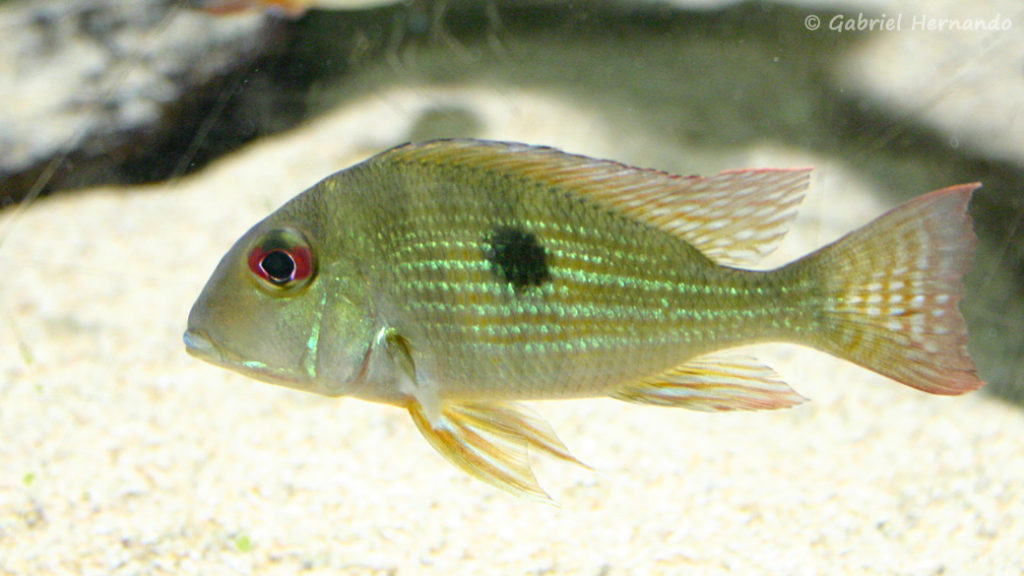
282 260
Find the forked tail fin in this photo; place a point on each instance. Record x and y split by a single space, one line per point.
891 291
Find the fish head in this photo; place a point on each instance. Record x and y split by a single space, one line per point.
281 308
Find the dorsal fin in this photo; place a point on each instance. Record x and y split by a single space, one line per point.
734 218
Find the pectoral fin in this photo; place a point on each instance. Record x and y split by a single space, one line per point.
714 383
491 441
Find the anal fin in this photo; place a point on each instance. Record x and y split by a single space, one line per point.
491 441
714 383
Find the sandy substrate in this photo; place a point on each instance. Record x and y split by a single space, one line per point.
122 455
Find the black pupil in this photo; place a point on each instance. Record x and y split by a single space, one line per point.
279 266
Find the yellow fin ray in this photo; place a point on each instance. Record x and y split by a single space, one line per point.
735 218
491 441
714 383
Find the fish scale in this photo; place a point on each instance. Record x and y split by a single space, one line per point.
641 310
454 277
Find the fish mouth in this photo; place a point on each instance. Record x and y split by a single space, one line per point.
198 344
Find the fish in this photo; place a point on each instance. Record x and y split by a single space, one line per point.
458 278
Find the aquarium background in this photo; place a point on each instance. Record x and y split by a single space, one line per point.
139 139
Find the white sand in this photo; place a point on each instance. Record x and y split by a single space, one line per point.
122 455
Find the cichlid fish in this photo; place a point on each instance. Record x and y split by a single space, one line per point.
454 277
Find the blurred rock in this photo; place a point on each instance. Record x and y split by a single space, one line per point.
95 83
955 66
115 92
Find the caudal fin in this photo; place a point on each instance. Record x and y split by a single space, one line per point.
891 293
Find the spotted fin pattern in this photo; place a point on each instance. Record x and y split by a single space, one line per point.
892 289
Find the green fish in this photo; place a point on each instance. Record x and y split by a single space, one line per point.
455 277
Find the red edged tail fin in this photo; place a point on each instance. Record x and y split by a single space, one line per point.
891 293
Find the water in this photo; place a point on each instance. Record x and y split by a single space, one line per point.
122 455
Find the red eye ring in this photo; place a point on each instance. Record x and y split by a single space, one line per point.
281 263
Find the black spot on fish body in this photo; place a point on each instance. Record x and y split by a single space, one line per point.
517 256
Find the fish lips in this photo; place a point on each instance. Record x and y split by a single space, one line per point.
199 345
